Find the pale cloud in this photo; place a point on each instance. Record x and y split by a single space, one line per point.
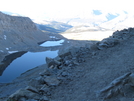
62 9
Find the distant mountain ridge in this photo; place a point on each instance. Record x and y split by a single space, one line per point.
108 21
52 26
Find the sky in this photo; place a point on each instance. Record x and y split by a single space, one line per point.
66 9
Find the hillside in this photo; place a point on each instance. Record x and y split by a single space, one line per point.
18 32
102 71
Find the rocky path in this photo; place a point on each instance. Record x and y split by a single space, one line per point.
104 72
90 77
96 73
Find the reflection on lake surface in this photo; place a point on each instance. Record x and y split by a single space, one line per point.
28 61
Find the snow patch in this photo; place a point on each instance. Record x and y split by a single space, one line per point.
5 37
52 43
52 36
11 52
7 48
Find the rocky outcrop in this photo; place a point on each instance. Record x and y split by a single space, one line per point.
118 36
120 85
17 33
8 59
39 88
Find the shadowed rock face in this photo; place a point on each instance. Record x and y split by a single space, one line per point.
19 32
8 59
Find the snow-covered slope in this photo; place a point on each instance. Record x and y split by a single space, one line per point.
120 22
98 19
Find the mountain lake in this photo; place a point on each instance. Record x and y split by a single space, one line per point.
28 61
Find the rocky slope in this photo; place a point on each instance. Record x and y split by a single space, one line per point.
52 26
18 32
102 71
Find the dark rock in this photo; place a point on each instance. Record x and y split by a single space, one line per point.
60 67
46 72
32 89
123 34
44 98
131 31
22 99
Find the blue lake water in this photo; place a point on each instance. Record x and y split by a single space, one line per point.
28 61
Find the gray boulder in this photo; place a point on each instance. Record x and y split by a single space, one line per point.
52 63
52 81
23 94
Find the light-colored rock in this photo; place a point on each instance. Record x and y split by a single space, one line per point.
51 63
131 77
106 43
115 87
44 89
64 74
52 81
40 80
24 93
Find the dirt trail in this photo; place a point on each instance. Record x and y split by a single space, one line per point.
96 73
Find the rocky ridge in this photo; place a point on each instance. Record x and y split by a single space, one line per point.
18 32
70 65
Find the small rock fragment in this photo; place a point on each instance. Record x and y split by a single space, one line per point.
32 89
64 74
131 77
